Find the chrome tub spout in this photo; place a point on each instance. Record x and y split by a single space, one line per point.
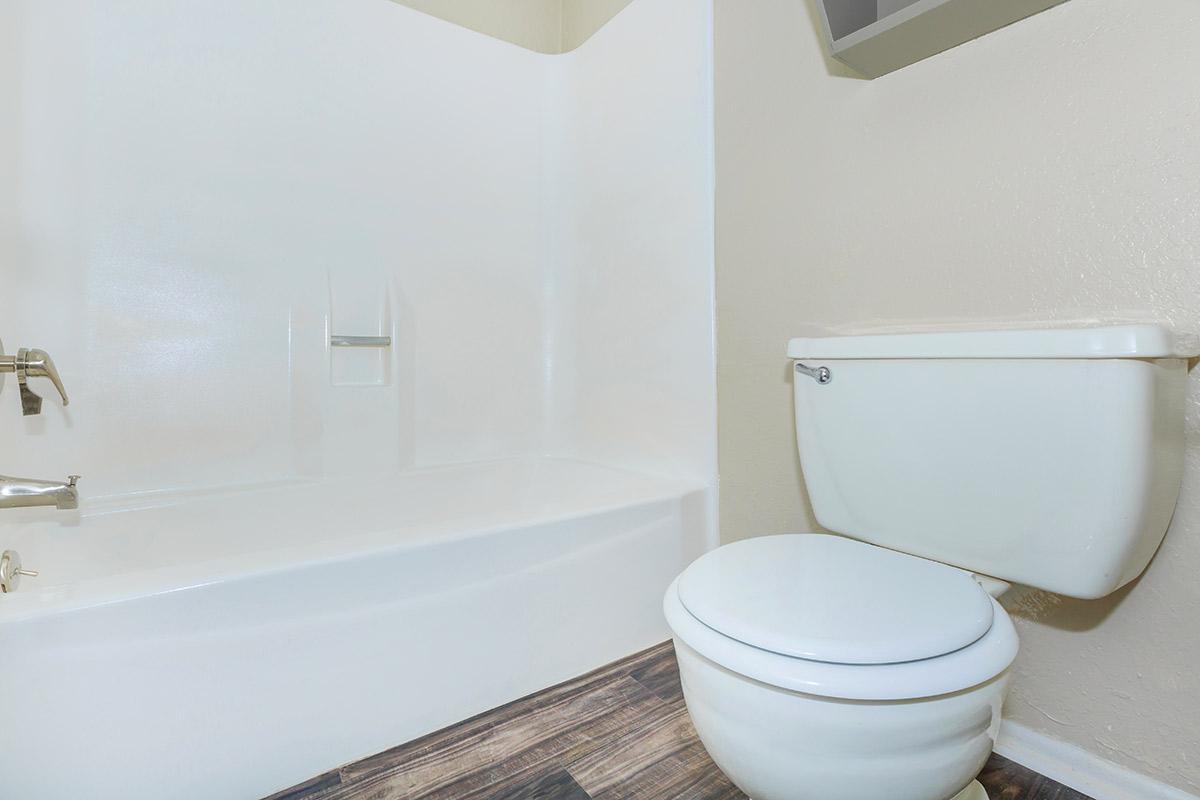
23 492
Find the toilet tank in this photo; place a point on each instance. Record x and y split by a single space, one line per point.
1051 458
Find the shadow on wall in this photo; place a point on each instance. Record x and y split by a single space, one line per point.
1064 613
551 27
1067 613
834 67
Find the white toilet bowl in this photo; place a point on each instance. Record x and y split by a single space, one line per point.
786 727
821 668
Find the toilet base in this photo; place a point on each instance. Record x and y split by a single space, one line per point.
973 792
780 744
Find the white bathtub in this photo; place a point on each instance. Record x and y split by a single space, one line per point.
230 644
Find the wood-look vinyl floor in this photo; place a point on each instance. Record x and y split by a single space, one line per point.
620 733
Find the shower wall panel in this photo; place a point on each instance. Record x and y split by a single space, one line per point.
199 193
192 178
632 322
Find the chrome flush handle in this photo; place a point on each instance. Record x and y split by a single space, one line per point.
821 375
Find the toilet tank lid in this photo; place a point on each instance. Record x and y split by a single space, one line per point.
1108 341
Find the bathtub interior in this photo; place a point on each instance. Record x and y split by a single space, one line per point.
244 686
124 548
203 194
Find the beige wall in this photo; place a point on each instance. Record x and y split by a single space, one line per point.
547 26
1047 171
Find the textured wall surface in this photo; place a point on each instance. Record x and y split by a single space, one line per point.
1047 171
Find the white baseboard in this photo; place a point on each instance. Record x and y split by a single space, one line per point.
1077 768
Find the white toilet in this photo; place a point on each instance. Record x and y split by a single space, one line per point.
817 667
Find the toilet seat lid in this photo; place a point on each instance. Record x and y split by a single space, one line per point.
830 599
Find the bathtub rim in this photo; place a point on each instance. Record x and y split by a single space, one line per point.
32 603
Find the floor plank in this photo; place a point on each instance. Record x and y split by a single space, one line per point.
1007 780
619 733
660 675
661 759
556 785
466 763
311 788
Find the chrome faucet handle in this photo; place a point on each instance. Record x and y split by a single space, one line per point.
27 364
36 364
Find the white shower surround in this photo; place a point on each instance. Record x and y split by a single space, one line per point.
196 195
